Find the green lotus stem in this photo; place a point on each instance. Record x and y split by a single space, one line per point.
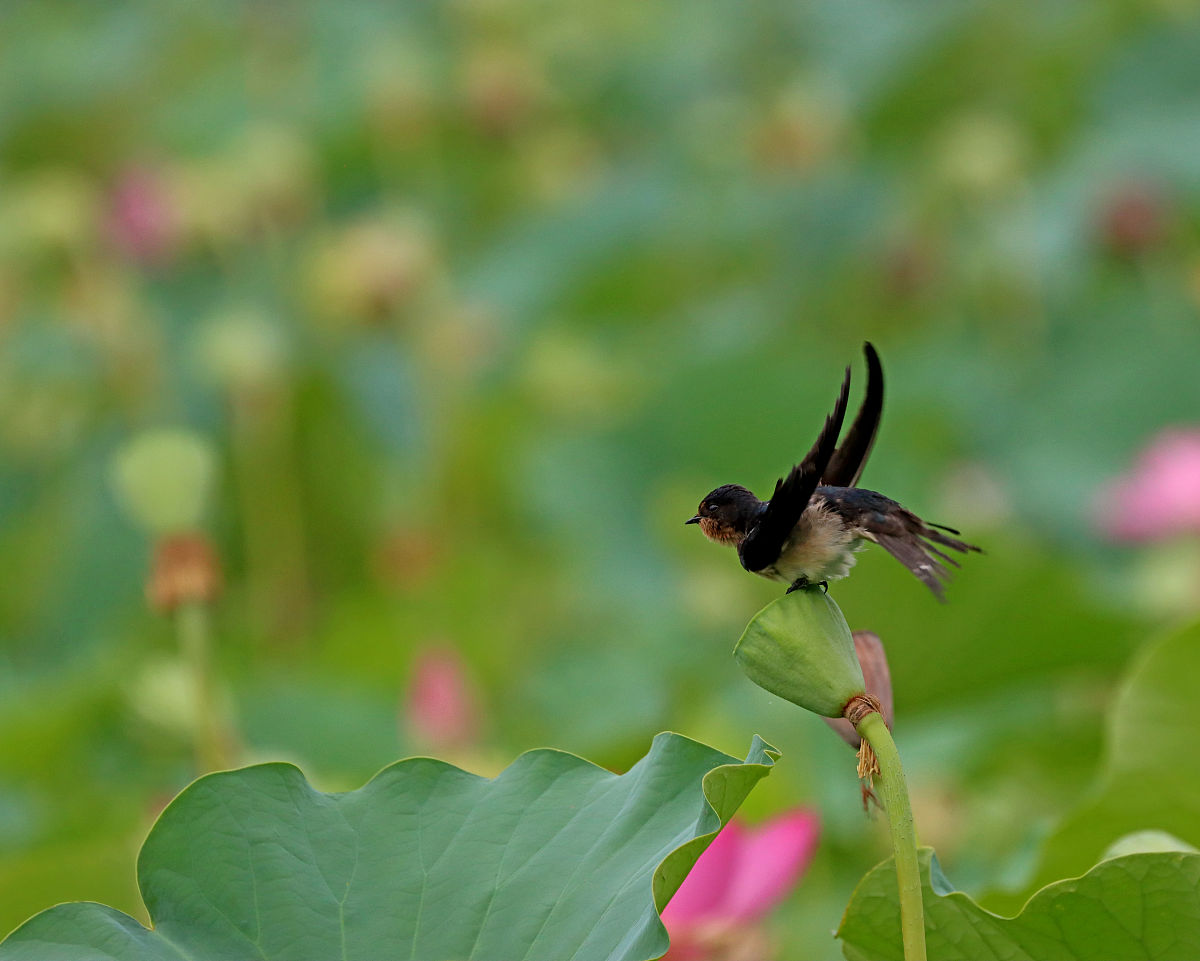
192 628
894 791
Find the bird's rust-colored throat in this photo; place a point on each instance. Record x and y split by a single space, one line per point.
721 533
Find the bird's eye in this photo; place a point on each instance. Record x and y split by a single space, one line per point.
710 508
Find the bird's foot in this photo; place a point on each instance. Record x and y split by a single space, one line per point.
800 583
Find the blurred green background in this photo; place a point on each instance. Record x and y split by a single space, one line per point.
475 300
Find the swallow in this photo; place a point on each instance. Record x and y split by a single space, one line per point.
818 517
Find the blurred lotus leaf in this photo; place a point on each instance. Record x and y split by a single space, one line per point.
1147 842
554 858
1149 782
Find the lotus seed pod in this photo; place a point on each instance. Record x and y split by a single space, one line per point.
981 155
370 270
800 649
274 168
162 479
54 208
163 692
207 195
242 350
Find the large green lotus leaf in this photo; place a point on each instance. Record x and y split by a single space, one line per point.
1149 781
555 858
1142 906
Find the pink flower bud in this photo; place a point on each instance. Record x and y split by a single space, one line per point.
441 711
142 220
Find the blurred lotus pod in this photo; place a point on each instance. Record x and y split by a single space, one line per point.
162 479
576 378
873 661
207 195
274 167
800 649
460 339
981 154
242 350
399 93
163 692
560 163
502 88
803 129
369 270
53 208
102 306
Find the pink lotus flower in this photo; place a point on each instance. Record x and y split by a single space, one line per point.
142 219
1160 497
441 711
742 875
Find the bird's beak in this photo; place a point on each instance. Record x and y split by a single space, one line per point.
693 520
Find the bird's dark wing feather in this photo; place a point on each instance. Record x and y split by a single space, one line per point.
762 545
847 463
913 542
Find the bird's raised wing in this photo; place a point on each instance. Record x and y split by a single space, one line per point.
847 463
762 545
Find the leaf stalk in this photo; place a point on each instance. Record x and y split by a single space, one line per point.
193 629
894 791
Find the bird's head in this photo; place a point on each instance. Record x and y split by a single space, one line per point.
726 514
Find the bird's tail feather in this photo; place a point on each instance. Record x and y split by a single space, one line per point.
915 550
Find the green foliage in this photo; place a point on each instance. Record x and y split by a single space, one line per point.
474 300
1148 781
800 648
555 858
1139 901
1141 906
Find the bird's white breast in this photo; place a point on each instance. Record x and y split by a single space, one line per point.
820 548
